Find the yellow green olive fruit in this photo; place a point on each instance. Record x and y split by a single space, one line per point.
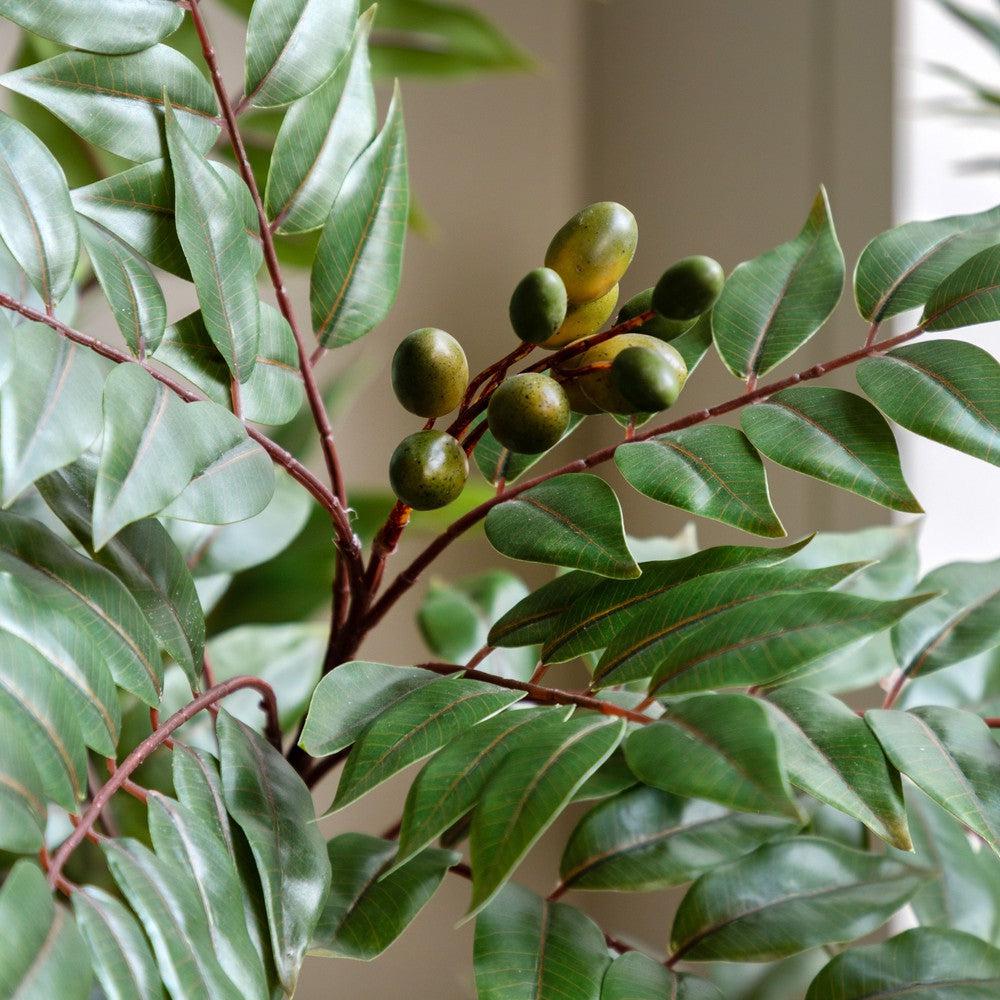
659 326
593 250
599 387
583 320
579 401
646 379
529 413
538 305
428 469
689 288
429 372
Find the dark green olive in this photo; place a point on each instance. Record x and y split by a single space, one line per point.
689 288
529 413
646 379
538 305
429 372
659 326
593 250
428 469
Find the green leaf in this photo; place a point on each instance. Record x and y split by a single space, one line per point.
834 436
453 780
368 907
133 292
969 295
49 407
41 954
112 26
211 228
829 752
321 136
530 621
730 752
944 390
634 976
613 776
901 267
356 273
119 952
572 520
645 839
495 462
425 720
347 700
37 222
771 639
712 471
952 756
529 790
22 794
274 809
921 964
293 46
117 102
527 947
793 895
774 303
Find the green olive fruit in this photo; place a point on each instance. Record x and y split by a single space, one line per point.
529 413
599 387
689 288
583 320
646 379
593 250
429 372
538 305
659 326
428 469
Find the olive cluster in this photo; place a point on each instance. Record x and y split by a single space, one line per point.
573 296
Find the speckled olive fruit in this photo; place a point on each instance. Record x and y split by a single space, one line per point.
583 320
593 250
529 413
428 469
659 326
689 288
538 305
429 372
646 379
598 386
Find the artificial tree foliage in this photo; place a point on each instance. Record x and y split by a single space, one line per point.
185 600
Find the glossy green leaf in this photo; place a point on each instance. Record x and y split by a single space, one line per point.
22 794
901 267
646 839
133 292
634 976
528 947
41 954
774 303
829 752
293 46
119 952
573 520
730 751
952 756
530 621
37 222
834 436
425 720
356 273
711 470
613 776
369 907
792 895
495 462
771 639
347 700
117 102
529 790
921 964
321 136
969 295
274 809
210 225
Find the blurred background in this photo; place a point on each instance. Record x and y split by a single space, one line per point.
714 122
